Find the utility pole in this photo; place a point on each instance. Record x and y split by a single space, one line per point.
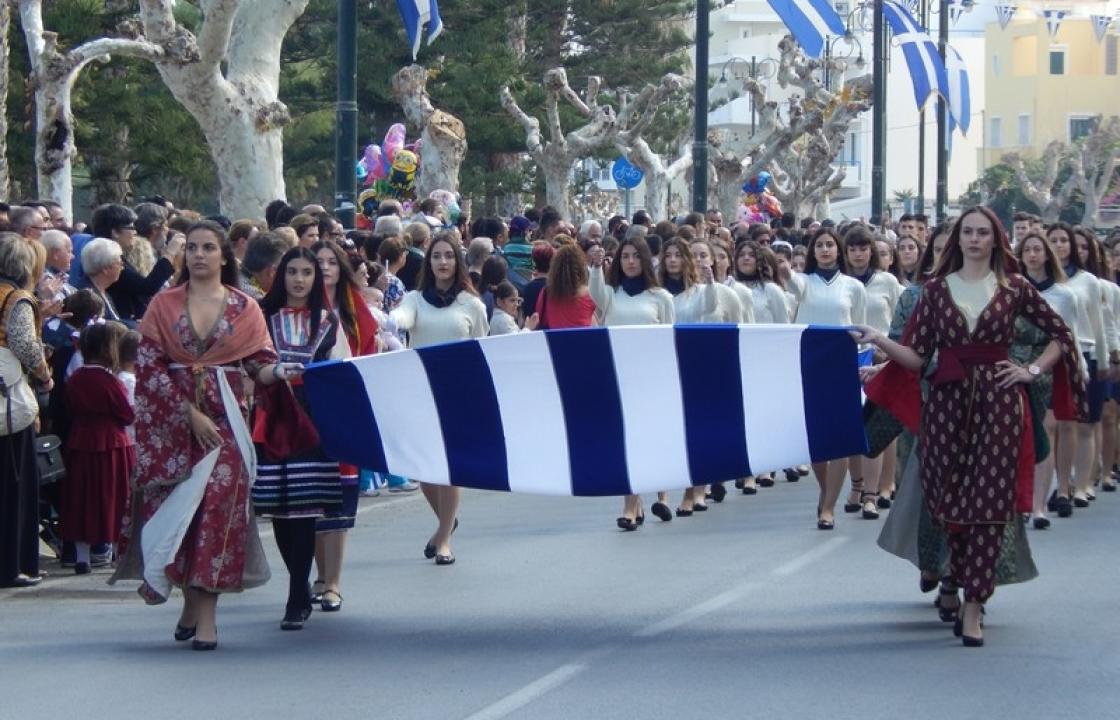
346 114
943 122
700 139
879 114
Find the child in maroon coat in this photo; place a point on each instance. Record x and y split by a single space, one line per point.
99 453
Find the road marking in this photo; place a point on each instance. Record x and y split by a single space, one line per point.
796 564
520 698
697 611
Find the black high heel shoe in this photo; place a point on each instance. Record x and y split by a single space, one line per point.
967 640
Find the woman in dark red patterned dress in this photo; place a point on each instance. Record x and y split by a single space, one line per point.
199 336
976 440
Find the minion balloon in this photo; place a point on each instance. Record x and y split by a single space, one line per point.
402 174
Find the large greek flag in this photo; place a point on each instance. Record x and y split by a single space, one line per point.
810 22
927 71
415 14
597 411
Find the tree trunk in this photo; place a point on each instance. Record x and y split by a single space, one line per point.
557 170
231 87
443 136
5 78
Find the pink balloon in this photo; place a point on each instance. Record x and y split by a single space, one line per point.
394 141
373 163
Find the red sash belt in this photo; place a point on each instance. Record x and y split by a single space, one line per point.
952 361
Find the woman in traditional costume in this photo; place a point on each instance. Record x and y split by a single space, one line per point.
195 459
975 431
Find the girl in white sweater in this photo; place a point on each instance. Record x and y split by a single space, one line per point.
829 297
1076 442
445 308
629 295
883 291
733 304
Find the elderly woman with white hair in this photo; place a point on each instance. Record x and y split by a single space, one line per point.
102 263
480 249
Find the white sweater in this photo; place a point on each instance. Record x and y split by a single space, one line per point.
1090 320
428 325
1110 310
744 299
883 291
696 304
502 323
841 301
651 307
769 301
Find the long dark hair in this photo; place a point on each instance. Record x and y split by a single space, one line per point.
462 281
614 276
1074 258
347 283
926 261
277 295
229 260
860 235
1095 264
841 251
763 267
689 274
1054 269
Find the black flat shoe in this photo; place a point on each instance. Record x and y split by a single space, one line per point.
182 634
641 519
294 619
448 559
625 523
317 594
1063 506
700 507
765 482
1041 523
82 568
684 513
329 605
662 511
748 490
429 553
968 641
719 492
883 502
927 586
791 475
204 645
739 484
1081 502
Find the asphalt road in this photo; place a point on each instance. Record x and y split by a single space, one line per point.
550 612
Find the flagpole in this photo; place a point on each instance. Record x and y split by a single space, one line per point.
943 121
921 205
346 115
700 139
879 110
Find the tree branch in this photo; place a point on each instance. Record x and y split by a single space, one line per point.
532 126
217 27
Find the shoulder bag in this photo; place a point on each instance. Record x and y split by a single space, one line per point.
18 406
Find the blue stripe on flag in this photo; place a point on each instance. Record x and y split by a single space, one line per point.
809 21
475 441
715 426
585 376
830 381
342 414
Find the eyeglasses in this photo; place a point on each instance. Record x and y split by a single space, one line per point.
126 227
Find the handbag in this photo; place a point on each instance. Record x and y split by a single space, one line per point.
48 453
18 406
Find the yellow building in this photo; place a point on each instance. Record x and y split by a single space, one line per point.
1038 90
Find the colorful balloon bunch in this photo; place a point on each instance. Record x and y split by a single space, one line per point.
759 204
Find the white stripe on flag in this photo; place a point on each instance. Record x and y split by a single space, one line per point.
401 399
649 387
532 413
773 400
815 16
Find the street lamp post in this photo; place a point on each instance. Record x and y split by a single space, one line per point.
943 122
700 139
879 110
766 67
346 114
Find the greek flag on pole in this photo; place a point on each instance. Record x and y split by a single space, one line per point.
596 411
1054 20
809 21
1005 13
927 71
960 105
1101 23
416 14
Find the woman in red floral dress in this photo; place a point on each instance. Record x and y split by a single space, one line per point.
192 332
976 440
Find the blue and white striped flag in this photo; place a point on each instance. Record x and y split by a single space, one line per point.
927 71
597 411
1101 24
416 14
1005 12
960 103
809 21
1054 21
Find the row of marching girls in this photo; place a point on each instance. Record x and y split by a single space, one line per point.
987 359
198 459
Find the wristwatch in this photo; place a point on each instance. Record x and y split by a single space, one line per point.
1035 371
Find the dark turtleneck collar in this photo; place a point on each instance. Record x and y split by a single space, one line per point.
827 274
633 285
1041 285
438 298
675 286
1071 270
866 276
745 278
